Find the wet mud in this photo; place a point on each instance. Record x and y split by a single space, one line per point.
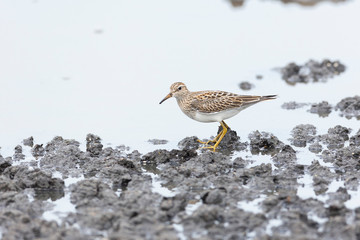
347 107
210 195
312 71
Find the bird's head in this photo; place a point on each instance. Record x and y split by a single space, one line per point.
177 90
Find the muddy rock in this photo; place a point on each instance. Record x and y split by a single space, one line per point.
285 158
38 150
93 144
315 148
338 198
323 109
355 140
349 107
189 143
22 219
4 163
303 134
164 156
293 105
18 155
246 86
229 144
336 137
312 71
214 196
264 143
24 178
158 141
63 155
90 193
322 177
28 141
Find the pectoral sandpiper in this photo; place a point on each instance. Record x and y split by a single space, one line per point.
212 106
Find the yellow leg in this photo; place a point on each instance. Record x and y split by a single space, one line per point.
222 134
211 141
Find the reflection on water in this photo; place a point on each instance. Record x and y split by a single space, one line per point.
48 194
305 3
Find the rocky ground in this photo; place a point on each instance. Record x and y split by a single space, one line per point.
211 193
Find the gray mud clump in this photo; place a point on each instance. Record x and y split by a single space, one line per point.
349 107
158 141
312 71
292 105
183 193
246 86
264 143
28 141
303 134
323 109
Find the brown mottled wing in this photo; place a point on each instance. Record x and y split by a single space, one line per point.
217 101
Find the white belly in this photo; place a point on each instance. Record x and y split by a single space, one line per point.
215 117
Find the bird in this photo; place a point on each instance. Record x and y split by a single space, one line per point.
212 106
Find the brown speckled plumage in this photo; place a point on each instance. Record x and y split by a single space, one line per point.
211 101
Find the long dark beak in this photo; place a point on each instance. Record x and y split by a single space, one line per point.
167 97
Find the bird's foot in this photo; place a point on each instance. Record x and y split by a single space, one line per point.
213 148
206 143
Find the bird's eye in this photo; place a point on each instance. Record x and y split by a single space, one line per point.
179 88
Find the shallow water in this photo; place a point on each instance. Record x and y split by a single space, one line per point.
69 70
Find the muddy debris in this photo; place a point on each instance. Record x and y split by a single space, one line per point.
185 192
264 143
323 109
189 143
230 143
28 141
336 137
293 105
38 151
349 107
302 135
246 86
312 71
93 144
18 155
158 141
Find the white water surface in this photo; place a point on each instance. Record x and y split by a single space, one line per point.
75 67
